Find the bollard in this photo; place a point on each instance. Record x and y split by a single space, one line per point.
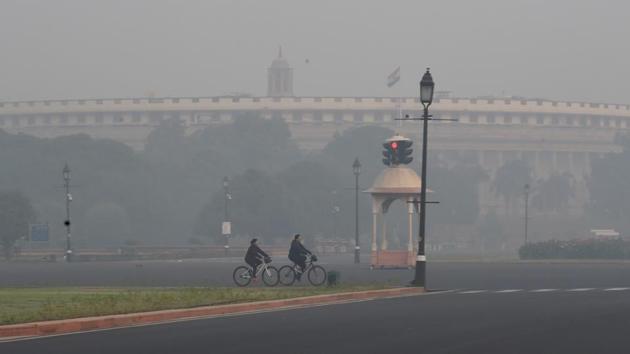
333 278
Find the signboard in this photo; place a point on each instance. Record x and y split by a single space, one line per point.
226 228
38 233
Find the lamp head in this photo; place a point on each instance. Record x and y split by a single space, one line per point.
426 89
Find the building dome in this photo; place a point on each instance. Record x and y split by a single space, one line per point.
280 77
280 62
396 180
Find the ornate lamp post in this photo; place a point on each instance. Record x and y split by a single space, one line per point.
66 180
227 225
526 209
426 98
356 168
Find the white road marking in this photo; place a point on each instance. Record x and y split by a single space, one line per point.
508 291
580 289
616 289
472 292
543 290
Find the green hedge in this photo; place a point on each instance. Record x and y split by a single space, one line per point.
615 248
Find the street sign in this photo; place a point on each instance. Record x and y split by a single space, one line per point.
226 228
38 233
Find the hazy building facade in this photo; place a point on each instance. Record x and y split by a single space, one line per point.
553 137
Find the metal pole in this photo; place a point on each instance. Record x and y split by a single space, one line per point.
421 259
67 222
526 210
357 248
226 216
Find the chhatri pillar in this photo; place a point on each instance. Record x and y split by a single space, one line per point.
394 183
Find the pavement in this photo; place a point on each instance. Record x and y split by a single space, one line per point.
482 307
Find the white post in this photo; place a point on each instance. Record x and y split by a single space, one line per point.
384 235
410 209
374 229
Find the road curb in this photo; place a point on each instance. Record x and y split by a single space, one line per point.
113 321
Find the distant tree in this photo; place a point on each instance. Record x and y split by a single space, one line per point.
457 189
362 142
609 188
250 142
16 213
256 208
309 199
509 181
490 230
108 224
553 193
168 143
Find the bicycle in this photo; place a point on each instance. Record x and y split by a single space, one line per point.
316 274
242 275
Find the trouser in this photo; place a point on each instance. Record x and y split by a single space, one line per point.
300 261
254 265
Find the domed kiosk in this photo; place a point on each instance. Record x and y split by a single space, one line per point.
396 182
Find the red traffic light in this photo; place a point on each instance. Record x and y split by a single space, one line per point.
394 145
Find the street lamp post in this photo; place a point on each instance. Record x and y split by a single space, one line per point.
227 226
526 210
356 168
66 180
426 97
335 212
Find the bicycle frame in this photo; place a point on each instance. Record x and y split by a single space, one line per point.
308 262
264 266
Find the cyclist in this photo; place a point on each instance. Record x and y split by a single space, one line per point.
255 255
297 254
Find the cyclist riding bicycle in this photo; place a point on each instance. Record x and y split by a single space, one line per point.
255 255
297 254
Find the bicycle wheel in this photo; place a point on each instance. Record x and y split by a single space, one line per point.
270 276
286 275
242 276
317 275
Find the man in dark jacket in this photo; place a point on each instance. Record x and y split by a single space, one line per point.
297 253
254 256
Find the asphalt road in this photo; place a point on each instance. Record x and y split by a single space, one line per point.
487 307
580 320
218 272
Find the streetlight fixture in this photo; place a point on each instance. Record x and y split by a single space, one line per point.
526 209
356 168
66 180
426 98
226 228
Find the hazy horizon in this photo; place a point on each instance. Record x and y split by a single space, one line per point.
565 50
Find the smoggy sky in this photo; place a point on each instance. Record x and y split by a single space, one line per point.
557 49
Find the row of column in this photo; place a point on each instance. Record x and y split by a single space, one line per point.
378 216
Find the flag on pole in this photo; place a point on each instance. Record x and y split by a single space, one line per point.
394 77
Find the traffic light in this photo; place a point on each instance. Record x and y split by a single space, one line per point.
404 151
397 151
390 153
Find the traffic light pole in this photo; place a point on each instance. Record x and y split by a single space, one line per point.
421 259
226 216
357 248
67 223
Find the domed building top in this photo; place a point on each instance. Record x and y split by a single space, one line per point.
280 62
396 180
279 77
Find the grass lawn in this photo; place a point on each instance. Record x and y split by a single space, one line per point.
21 305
